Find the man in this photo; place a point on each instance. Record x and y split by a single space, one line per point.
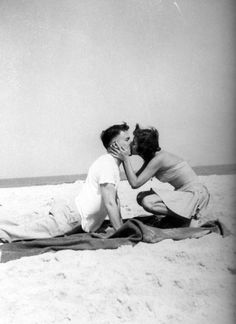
97 199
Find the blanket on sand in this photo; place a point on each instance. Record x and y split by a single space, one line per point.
139 229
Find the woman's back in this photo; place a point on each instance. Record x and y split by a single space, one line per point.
175 171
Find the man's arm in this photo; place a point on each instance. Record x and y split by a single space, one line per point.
109 195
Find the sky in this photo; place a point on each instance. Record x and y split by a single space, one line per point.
70 69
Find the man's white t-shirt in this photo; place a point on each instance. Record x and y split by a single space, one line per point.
89 201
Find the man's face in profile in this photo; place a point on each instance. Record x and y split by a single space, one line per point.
123 139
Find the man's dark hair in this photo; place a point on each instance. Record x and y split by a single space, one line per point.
108 134
147 142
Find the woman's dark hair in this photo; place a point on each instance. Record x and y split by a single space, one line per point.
108 134
147 142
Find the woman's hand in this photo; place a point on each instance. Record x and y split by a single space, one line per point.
118 151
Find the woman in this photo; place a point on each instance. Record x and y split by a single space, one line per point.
189 199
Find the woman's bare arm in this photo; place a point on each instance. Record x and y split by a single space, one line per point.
141 169
143 175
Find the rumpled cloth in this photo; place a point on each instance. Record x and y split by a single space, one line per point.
139 229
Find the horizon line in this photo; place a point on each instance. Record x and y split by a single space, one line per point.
219 169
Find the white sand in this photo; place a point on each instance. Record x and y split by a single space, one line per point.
189 281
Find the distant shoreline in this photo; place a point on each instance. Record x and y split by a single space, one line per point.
54 180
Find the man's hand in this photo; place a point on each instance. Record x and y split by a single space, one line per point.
109 195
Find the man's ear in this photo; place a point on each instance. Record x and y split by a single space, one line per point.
109 147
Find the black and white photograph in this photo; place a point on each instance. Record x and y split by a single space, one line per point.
117 162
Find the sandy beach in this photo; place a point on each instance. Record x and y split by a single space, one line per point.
189 281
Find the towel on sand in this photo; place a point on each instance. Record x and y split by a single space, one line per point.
138 229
